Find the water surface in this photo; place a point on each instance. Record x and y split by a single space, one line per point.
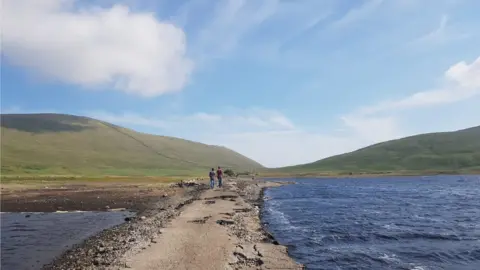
379 223
30 240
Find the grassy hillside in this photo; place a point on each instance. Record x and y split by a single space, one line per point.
435 152
65 144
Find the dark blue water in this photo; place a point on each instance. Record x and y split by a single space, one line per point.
379 223
30 240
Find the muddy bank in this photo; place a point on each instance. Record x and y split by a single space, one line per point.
83 198
105 250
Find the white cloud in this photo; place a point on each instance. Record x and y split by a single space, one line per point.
95 47
462 82
283 148
465 75
373 129
128 119
251 120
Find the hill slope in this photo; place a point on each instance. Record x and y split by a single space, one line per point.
446 151
66 144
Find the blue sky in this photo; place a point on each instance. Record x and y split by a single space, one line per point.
283 82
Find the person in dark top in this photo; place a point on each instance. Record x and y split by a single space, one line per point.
219 176
212 178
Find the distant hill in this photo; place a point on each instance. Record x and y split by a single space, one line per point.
67 144
436 152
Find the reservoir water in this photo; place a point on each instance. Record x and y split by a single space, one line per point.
30 240
379 223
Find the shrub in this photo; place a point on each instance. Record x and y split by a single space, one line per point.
229 172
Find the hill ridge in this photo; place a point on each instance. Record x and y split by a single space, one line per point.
438 151
49 143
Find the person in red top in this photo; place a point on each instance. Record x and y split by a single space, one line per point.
219 176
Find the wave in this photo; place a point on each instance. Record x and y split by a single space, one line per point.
379 223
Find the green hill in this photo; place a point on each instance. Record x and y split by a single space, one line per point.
42 144
457 151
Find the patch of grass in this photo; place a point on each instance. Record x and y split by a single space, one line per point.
11 183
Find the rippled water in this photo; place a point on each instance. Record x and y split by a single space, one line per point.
30 240
379 223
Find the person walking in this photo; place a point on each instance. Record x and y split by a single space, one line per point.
212 178
219 176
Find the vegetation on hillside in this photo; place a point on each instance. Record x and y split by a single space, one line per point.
57 144
448 152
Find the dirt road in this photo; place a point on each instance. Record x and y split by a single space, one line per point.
219 231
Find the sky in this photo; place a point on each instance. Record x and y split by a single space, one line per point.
283 82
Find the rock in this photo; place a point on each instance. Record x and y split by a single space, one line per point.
27 216
107 207
128 219
142 217
153 241
225 222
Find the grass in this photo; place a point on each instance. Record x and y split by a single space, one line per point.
56 147
455 152
17 183
57 144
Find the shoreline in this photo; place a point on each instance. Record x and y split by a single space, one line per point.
249 242
105 249
337 176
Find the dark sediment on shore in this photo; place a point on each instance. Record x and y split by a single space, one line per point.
82 198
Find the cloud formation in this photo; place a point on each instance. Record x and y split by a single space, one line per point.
95 47
274 139
267 136
461 81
